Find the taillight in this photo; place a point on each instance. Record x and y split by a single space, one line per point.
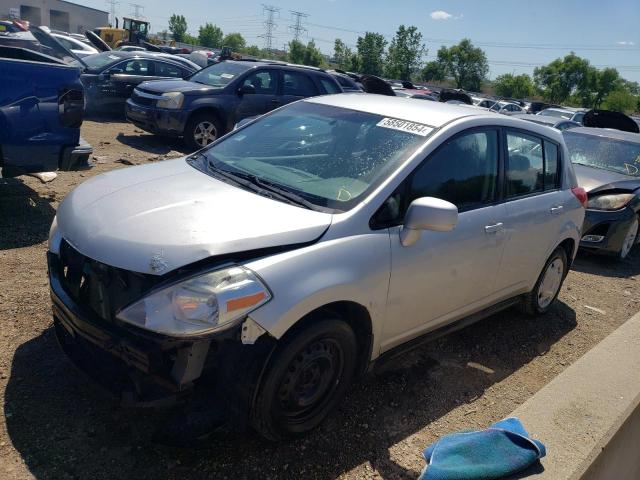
71 108
581 195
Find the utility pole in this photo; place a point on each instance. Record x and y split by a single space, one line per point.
269 25
297 27
112 10
137 10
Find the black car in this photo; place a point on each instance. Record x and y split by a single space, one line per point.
110 77
607 164
212 101
347 82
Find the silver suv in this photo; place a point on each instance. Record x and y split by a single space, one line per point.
266 272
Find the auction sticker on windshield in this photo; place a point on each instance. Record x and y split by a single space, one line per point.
405 126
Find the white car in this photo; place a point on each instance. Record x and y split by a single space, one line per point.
78 47
269 270
507 108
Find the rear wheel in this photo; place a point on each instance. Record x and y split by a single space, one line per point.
541 298
308 377
629 240
201 130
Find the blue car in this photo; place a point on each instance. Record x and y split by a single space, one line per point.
41 105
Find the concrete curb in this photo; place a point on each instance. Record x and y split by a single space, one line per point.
588 415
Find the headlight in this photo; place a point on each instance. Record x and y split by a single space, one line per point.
200 304
610 202
172 100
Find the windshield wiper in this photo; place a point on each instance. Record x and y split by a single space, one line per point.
260 186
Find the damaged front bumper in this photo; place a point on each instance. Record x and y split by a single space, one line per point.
147 369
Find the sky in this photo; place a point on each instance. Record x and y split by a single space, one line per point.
516 35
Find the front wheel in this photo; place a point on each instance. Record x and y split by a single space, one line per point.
201 130
308 377
629 240
540 300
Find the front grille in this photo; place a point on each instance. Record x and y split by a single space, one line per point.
140 100
97 287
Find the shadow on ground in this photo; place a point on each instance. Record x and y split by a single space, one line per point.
25 216
63 428
153 144
607 266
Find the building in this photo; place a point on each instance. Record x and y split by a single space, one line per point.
55 14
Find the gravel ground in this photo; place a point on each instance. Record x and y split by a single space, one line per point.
57 426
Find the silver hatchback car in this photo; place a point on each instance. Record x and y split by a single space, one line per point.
266 272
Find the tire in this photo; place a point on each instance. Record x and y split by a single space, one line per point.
540 300
630 239
201 130
320 361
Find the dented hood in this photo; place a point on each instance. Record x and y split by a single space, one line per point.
156 218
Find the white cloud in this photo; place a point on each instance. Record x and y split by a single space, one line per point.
441 15
631 44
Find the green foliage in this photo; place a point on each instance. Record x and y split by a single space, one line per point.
514 86
465 63
254 51
342 55
312 55
371 53
558 80
178 27
235 41
190 39
621 101
296 51
433 71
210 35
405 53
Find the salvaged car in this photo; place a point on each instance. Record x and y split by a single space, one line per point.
607 164
110 77
208 104
267 272
41 106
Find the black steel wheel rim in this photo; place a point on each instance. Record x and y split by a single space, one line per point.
310 380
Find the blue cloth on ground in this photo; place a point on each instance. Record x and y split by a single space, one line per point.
497 452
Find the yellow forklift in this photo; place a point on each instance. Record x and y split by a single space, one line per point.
133 32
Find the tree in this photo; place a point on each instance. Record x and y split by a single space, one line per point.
190 39
296 51
598 84
342 55
515 86
235 41
312 56
621 101
178 27
210 35
254 51
433 71
405 53
465 63
563 77
371 53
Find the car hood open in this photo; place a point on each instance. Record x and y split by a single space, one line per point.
157 218
182 86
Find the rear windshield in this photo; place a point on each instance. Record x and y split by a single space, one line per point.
555 113
220 74
328 155
607 154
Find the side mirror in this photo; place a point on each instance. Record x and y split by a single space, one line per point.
246 90
427 213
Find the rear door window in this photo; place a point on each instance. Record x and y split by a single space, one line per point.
532 165
299 85
168 70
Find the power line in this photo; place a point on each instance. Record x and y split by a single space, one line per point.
137 10
112 10
270 25
297 27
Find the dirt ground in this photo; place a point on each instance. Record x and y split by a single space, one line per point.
57 426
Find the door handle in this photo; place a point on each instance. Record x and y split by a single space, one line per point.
497 227
557 209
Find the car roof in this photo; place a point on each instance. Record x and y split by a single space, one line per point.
434 114
608 133
556 109
538 118
276 64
